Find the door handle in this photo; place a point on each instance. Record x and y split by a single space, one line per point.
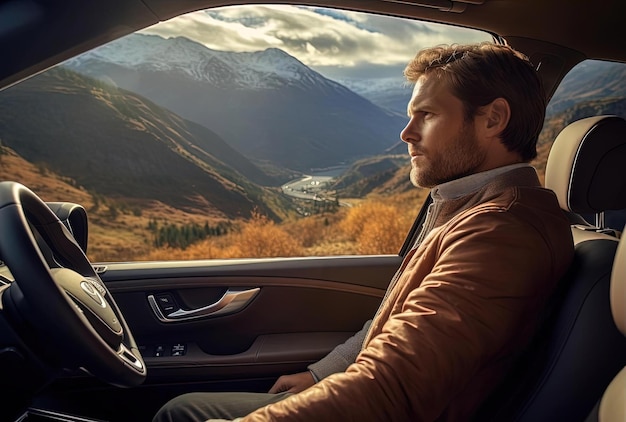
232 301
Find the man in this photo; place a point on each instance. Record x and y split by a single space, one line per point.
465 299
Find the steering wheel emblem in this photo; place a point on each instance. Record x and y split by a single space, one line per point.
93 293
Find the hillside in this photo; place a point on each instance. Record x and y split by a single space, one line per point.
46 184
124 146
592 88
589 81
266 104
385 174
117 227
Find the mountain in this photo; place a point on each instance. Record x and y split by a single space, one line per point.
116 143
384 174
266 104
590 89
588 81
389 93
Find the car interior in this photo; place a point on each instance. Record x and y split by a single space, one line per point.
221 324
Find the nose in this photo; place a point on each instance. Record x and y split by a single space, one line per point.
410 132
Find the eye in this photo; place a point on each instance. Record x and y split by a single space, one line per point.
421 114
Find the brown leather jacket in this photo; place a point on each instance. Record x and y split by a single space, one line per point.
465 303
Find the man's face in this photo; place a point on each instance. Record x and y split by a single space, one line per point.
443 146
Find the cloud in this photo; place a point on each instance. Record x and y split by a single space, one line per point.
317 37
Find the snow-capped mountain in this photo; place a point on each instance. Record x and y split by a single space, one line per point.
391 93
247 70
266 104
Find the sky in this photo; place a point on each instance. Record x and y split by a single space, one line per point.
335 43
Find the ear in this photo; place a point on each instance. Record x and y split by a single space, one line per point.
497 115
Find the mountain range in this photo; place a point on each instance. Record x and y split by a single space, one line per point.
389 93
266 104
116 143
591 80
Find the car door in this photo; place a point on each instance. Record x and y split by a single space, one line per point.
222 325
284 315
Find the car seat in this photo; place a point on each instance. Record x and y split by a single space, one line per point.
578 349
612 406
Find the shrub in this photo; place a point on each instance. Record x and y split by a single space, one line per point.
260 237
378 227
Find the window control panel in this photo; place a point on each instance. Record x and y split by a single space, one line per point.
163 350
179 349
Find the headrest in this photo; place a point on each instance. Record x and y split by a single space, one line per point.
618 286
586 165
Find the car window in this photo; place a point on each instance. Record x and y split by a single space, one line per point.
247 131
591 88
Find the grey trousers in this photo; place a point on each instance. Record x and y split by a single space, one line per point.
196 407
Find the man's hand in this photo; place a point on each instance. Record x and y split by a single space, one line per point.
293 383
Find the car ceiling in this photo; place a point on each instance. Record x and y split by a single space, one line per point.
37 34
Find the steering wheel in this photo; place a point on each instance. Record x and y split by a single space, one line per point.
59 295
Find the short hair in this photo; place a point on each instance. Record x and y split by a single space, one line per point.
478 74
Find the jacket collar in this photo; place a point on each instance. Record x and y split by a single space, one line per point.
482 190
472 183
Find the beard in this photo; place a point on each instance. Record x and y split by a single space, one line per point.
457 159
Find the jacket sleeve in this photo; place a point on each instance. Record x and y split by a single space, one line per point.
482 280
341 356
